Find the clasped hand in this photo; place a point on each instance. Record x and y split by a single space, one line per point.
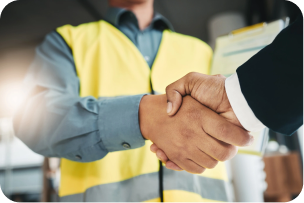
201 128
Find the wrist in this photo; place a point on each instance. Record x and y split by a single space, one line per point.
142 115
151 108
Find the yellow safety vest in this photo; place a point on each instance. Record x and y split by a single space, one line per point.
108 65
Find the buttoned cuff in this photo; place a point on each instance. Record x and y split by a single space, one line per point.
88 154
119 123
240 106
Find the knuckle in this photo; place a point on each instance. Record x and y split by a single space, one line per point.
199 170
188 134
224 130
193 114
223 155
220 75
196 170
231 151
161 155
177 156
192 74
168 88
173 157
227 153
246 139
212 164
187 149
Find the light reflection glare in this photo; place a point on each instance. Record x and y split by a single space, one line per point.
12 96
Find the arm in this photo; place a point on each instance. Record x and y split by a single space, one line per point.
266 90
272 81
54 121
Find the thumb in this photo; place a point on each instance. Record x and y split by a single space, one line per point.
175 93
174 101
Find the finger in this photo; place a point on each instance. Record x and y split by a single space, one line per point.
171 165
174 100
153 148
231 117
221 129
175 93
204 160
180 88
215 149
190 166
161 155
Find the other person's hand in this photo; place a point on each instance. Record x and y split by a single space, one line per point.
195 138
208 90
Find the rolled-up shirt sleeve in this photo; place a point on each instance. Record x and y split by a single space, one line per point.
55 121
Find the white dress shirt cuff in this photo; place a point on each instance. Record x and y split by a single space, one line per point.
240 106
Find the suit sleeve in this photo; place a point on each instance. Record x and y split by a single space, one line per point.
272 81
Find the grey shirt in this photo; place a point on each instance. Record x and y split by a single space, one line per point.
54 121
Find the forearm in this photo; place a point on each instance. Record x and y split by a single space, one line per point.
272 81
55 121
59 129
79 129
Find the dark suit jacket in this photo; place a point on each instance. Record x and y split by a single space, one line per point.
272 81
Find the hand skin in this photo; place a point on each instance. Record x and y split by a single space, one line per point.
195 138
208 90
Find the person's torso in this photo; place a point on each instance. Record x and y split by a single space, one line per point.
109 65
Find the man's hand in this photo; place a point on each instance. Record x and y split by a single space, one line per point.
208 90
195 138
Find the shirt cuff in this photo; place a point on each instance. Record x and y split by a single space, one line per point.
88 154
240 106
119 124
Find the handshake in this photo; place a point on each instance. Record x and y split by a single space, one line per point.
199 128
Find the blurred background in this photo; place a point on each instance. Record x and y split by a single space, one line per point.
26 176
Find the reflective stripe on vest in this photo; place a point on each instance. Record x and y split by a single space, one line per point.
206 188
108 64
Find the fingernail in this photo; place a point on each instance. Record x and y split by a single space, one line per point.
169 107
